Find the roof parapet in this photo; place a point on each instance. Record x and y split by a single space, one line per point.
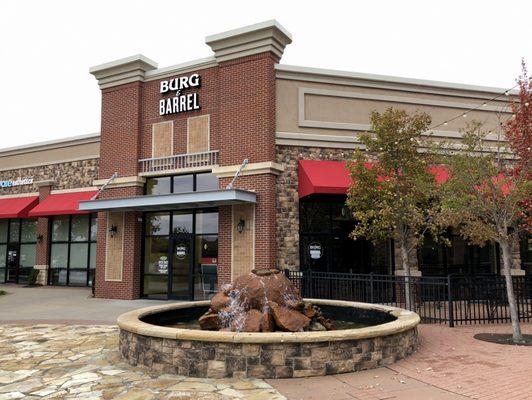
122 71
267 36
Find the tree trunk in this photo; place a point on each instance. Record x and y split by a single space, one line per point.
507 266
406 268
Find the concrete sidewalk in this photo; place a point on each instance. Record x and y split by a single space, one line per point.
62 305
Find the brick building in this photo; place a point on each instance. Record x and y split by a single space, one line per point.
207 169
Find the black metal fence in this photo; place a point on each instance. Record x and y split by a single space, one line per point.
453 300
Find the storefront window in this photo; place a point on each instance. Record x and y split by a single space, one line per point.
59 255
325 243
206 182
73 250
80 228
460 258
28 230
206 222
3 249
3 231
197 231
158 224
156 255
183 184
18 239
14 230
182 222
27 255
159 185
60 228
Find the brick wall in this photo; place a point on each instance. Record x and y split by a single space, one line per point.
209 98
129 286
239 96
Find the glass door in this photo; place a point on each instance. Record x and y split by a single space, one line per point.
181 266
12 263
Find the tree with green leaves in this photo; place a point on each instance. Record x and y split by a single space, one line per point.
394 194
488 195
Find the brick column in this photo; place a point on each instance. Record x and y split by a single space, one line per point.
118 258
43 232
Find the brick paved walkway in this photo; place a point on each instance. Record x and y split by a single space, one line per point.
453 360
449 365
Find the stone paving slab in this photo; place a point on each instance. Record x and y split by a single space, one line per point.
45 361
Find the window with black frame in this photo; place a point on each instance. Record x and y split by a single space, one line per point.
18 239
198 182
326 246
73 250
159 229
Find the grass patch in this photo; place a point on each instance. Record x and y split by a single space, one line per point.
2 292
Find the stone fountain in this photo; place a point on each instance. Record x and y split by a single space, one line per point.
265 300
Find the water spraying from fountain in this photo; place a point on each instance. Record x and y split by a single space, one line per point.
262 301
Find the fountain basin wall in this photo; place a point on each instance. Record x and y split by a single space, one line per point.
217 354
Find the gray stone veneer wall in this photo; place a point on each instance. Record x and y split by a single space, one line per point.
288 199
68 175
288 204
280 360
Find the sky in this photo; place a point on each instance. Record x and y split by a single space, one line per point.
47 47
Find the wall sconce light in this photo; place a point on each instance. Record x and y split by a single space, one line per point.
241 225
40 238
113 230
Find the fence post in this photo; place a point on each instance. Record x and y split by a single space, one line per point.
450 301
310 284
371 287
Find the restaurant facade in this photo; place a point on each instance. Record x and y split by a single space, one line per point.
208 169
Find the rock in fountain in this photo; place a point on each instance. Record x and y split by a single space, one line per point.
262 301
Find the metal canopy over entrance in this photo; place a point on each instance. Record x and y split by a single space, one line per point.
174 201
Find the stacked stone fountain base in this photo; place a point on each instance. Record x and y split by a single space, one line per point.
262 301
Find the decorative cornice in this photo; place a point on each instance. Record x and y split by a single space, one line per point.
267 167
267 36
122 71
347 78
74 190
51 144
126 181
44 183
182 68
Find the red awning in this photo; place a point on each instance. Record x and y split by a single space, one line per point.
332 177
17 207
62 204
322 177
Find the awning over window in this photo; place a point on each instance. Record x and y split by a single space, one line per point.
174 201
332 177
17 207
62 204
322 177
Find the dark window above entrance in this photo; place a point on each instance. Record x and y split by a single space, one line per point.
181 183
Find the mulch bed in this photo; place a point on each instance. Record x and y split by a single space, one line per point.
503 338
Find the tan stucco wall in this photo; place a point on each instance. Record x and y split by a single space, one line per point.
324 106
56 152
